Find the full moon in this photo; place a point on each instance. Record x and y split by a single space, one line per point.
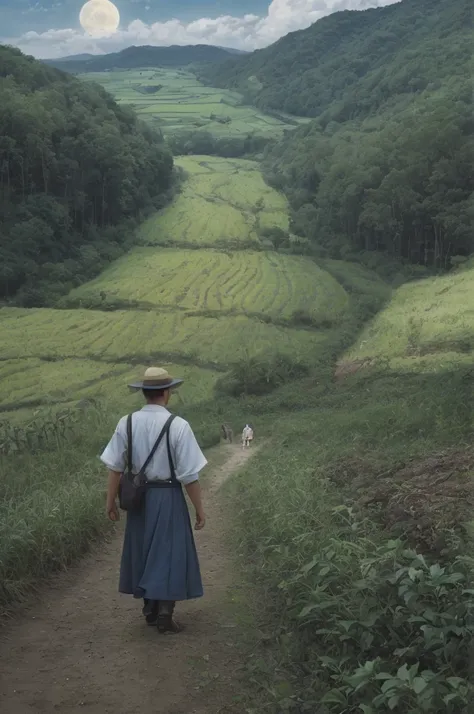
99 18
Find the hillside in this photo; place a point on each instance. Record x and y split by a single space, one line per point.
77 172
427 326
386 166
144 56
352 63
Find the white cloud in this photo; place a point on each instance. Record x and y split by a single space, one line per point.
248 32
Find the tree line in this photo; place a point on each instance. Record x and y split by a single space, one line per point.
350 64
400 183
386 165
76 172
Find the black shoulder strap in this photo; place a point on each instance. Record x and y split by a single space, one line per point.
129 443
164 431
170 458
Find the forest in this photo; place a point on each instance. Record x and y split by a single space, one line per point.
350 64
386 165
76 173
401 183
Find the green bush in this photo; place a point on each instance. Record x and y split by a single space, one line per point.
393 630
260 374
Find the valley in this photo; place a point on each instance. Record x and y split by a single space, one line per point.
174 100
312 278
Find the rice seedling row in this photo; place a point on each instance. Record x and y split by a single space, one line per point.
124 335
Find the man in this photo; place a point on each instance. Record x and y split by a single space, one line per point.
247 436
159 559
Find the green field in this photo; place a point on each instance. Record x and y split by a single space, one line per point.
200 310
141 335
223 201
31 382
184 104
428 325
206 280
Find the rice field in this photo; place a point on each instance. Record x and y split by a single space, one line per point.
32 385
175 101
145 336
428 325
223 201
206 280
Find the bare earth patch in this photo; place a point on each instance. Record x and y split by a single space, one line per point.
421 499
85 648
345 368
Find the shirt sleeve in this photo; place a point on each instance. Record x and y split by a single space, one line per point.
189 459
114 454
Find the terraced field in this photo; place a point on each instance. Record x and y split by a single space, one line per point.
140 336
206 280
30 382
223 201
174 101
203 291
428 325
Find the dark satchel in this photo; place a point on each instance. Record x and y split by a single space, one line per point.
132 486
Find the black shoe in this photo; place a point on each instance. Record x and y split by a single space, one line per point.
165 618
168 624
150 611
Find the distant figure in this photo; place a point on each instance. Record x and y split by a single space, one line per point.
247 436
227 433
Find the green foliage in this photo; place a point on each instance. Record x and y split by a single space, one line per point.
387 165
350 64
261 374
399 638
340 601
399 183
203 142
77 172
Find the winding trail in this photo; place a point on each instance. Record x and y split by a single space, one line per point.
85 648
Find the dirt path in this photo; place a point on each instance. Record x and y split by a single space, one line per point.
85 648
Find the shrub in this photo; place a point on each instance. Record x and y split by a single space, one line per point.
260 375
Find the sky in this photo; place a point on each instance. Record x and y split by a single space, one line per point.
50 28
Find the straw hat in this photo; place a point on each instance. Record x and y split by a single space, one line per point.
156 378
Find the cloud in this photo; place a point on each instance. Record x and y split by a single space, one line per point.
248 32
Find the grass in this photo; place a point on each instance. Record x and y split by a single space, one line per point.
145 336
223 201
323 569
428 325
32 385
184 104
196 280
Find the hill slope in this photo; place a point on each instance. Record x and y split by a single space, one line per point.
75 168
351 63
144 56
387 164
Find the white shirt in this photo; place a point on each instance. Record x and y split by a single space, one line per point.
147 424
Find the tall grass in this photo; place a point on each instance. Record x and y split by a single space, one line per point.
359 621
51 505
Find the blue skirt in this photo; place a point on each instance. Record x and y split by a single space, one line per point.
159 558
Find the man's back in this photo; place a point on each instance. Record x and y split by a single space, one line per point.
146 427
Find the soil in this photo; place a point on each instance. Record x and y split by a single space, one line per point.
423 499
85 648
